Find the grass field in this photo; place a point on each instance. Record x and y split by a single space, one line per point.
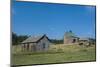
56 54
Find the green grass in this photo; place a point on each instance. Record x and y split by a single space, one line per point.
56 54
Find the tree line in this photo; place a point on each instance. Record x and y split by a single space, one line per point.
55 41
17 39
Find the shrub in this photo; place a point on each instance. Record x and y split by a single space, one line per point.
81 44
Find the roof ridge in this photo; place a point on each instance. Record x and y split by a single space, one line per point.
33 39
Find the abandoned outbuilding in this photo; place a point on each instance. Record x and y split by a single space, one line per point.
70 37
38 43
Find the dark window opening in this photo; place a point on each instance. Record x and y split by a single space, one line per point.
74 40
27 46
43 45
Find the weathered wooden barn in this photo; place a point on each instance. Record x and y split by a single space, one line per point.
38 43
69 37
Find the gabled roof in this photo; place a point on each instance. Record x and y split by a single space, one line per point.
70 34
34 39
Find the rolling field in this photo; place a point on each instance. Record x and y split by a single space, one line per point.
56 54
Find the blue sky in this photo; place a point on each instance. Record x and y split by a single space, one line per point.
52 19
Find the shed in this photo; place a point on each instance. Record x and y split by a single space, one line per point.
38 43
70 37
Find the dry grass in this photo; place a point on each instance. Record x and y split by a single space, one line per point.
56 54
